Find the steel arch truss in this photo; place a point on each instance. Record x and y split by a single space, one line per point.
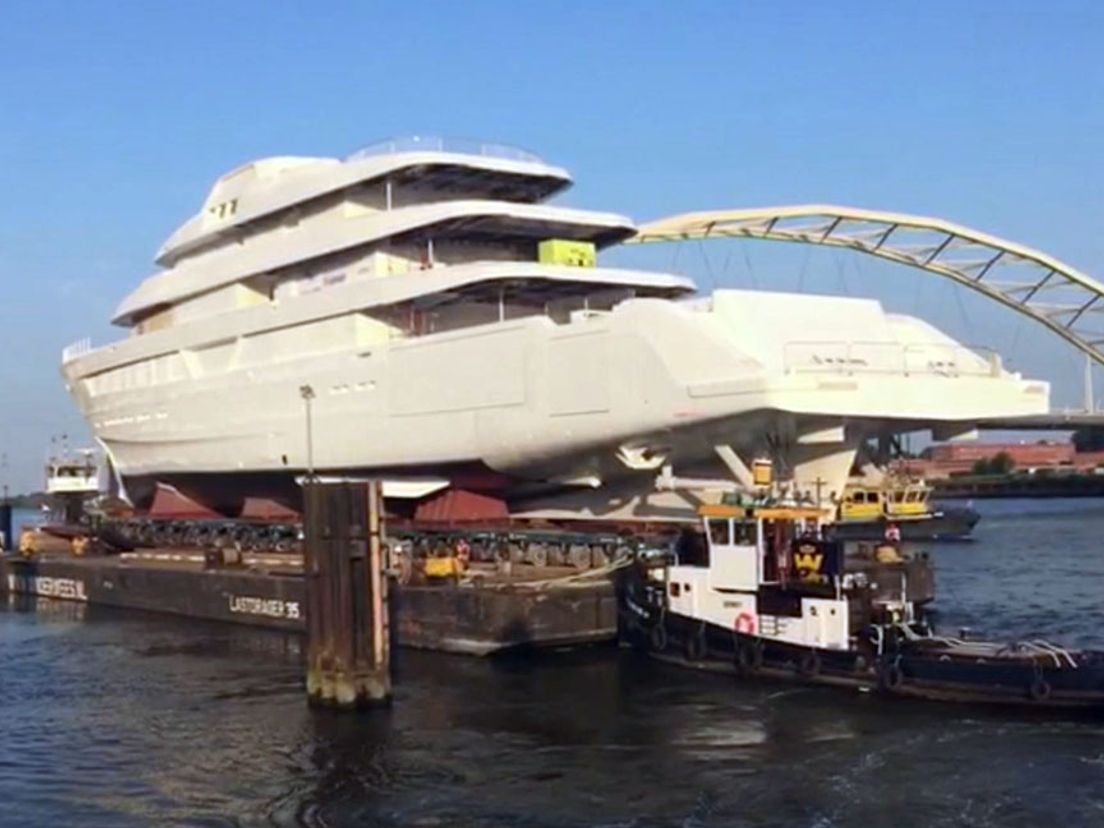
1039 286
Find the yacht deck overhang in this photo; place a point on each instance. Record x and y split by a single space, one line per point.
508 179
532 283
482 220
475 281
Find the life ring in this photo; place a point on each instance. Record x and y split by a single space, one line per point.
809 664
657 637
891 676
749 656
1039 689
745 623
696 645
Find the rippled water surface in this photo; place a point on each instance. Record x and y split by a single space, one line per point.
116 719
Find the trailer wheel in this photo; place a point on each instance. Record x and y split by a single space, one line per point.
696 645
657 637
538 554
749 656
579 556
1039 689
809 664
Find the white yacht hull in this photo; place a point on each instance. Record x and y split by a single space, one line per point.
528 405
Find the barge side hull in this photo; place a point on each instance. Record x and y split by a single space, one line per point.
455 619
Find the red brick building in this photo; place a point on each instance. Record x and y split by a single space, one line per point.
945 459
1031 455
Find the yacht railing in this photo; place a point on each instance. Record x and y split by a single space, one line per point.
434 143
76 350
889 358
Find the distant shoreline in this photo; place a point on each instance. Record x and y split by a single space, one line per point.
1038 485
35 500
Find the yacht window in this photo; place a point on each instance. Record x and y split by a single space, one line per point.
719 534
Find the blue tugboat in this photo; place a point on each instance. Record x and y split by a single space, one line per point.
760 592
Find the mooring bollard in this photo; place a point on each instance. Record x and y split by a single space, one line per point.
348 635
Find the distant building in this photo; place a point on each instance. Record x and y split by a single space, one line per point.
1022 454
946 459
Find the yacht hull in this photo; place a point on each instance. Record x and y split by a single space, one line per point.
542 405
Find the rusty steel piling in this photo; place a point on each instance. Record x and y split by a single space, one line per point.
348 634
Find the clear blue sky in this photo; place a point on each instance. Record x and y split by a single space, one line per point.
115 117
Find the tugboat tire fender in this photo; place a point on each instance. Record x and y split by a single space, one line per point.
809 664
696 645
1039 689
658 636
749 656
891 676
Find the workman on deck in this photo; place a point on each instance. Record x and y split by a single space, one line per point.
889 552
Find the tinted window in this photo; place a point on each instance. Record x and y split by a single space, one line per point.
718 531
743 533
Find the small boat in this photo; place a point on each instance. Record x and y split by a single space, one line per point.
761 592
869 512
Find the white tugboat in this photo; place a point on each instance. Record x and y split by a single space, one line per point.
73 473
759 592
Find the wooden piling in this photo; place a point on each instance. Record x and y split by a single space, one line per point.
8 541
348 635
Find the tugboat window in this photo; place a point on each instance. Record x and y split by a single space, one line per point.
691 549
719 532
743 533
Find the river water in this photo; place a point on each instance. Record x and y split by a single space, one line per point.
117 719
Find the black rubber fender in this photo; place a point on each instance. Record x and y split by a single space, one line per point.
696 646
809 663
1039 690
657 636
891 677
749 656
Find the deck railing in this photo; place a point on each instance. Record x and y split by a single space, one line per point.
76 350
436 143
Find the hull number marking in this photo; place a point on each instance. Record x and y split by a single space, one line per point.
68 588
268 607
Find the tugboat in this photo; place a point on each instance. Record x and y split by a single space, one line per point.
866 512
761 592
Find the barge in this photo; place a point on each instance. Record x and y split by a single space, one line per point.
761 593
484 614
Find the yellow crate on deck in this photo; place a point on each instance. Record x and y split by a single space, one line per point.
566 252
